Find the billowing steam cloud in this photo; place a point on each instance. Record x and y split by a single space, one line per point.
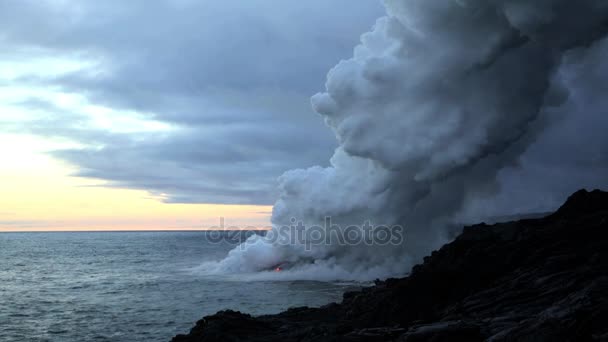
438 98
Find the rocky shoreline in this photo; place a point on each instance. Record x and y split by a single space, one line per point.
530 280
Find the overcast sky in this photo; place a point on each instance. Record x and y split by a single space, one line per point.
209 101
197 101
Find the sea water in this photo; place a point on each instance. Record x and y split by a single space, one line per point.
128 286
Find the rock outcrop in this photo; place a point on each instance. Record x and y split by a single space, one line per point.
530 280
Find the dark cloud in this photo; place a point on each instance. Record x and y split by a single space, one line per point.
237 164
572 151
232 78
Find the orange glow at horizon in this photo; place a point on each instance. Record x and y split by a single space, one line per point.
38 193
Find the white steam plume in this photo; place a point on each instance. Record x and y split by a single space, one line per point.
438 98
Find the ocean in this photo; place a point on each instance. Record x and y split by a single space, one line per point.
128 286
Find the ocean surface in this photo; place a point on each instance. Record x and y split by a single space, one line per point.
128 286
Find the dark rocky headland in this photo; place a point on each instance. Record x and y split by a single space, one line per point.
529 280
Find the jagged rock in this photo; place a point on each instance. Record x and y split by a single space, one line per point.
531 280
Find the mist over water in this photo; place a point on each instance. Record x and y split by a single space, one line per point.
438 98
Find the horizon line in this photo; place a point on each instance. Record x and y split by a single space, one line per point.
98 230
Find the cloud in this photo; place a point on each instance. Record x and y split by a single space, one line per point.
227 82
438 103
572 151
208 101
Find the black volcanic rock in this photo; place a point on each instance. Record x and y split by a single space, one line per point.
530 280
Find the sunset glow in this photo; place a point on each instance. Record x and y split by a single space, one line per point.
39 194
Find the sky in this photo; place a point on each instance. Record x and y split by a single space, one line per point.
164 114
170 114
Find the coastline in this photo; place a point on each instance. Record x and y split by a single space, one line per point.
532 279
